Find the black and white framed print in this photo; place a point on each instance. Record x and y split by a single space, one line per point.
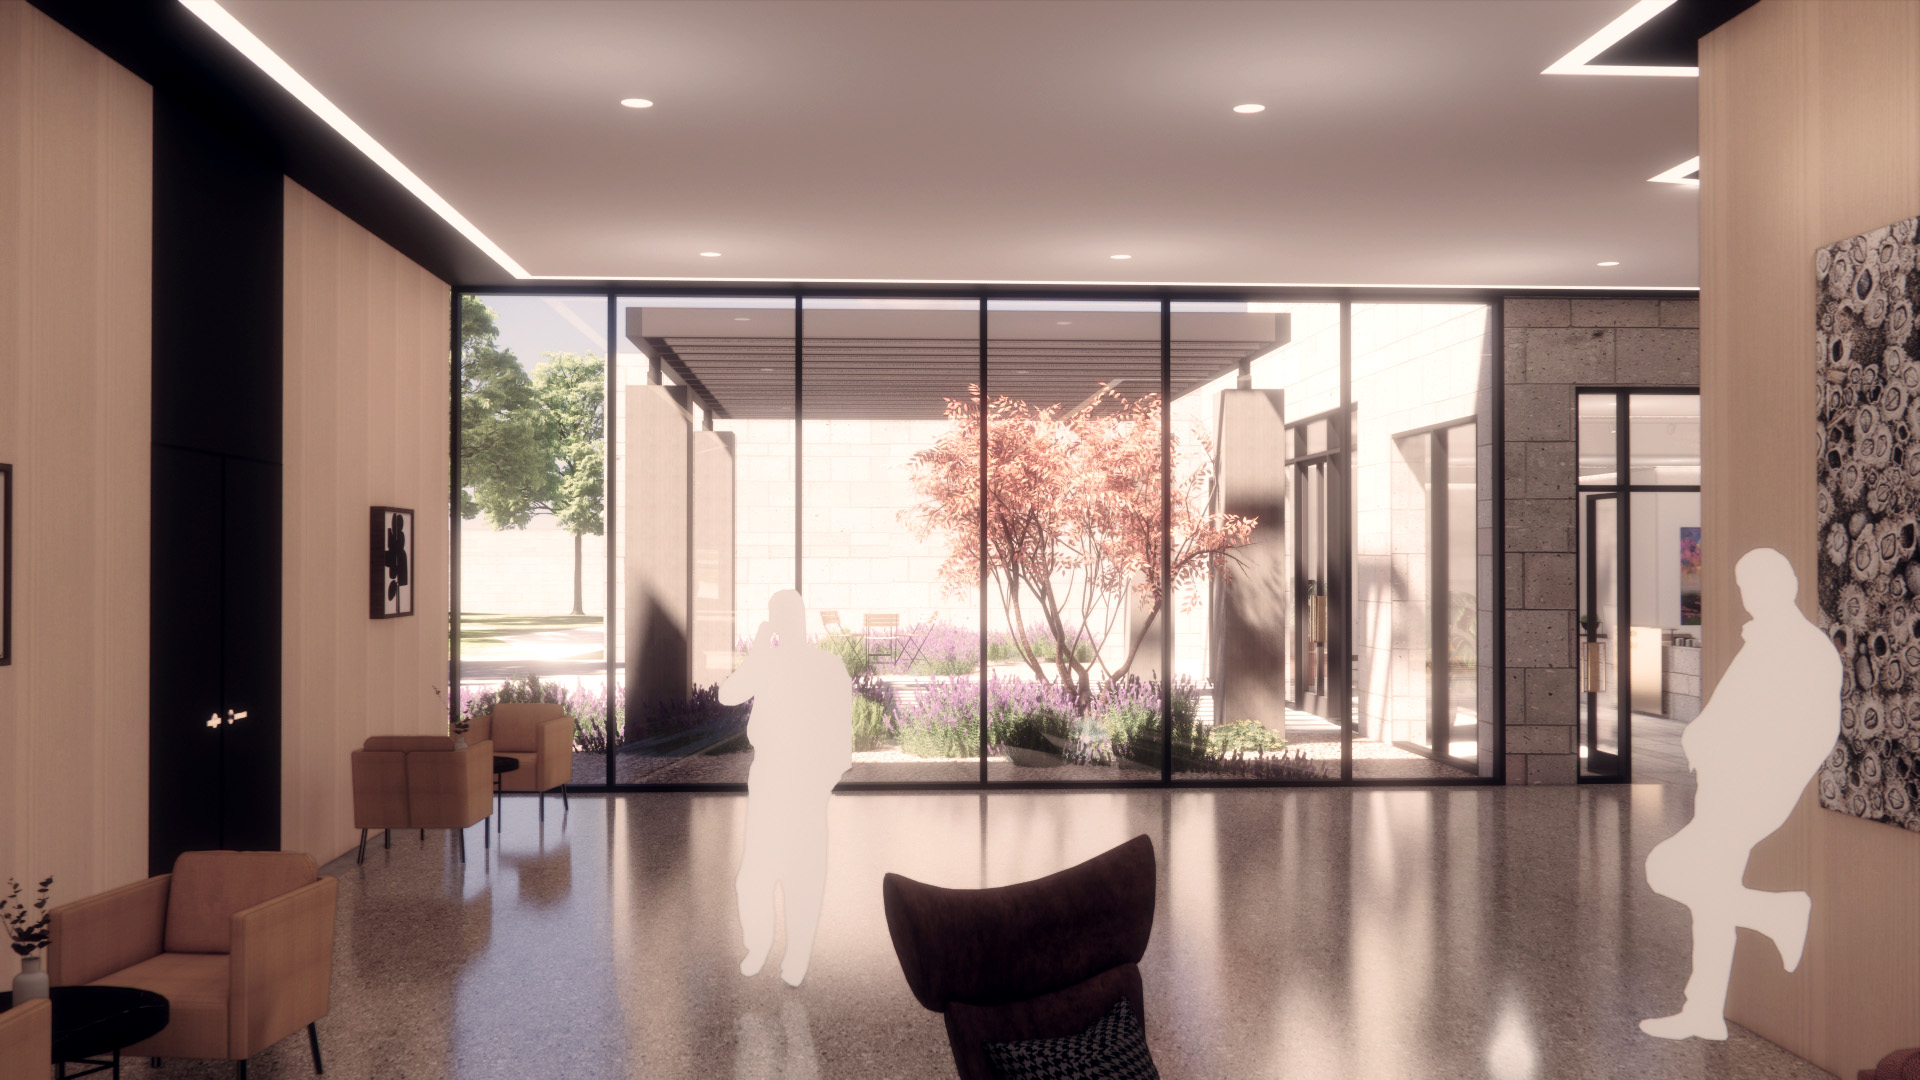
390 563
6 564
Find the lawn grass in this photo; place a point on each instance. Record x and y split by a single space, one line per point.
482 629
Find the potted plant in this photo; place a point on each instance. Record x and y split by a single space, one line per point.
28 936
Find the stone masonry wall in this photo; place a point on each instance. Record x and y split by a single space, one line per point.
1552 345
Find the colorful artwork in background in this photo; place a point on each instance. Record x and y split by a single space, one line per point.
1689 575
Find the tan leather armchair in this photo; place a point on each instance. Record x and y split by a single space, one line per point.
240 943
26 1039
540 737
421 782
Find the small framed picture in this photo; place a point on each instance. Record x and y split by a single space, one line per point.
6 564
390 563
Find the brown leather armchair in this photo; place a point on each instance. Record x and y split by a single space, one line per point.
1899 1065
421 782
537 734
240 943
26 1039
1042 959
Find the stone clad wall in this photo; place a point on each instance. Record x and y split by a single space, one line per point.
1554 344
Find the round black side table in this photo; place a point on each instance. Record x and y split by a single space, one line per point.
92 1021
501 767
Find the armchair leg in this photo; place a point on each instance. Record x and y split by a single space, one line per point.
486 833
563 795
543 806
155 1063
361 859
313 1041
240 1069
386 839
423 836
463 844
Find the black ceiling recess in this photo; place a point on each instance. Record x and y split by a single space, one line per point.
165 44
1672 38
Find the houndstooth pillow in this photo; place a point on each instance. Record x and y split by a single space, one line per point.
1114 1048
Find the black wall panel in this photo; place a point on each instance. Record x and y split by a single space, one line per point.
217 380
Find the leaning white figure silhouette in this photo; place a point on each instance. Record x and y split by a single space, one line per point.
802 735
1773 719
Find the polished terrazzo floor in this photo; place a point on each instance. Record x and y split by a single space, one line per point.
1481 932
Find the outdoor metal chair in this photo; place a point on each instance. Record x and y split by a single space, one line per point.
830 622
883 636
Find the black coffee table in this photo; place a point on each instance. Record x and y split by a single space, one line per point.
92 1021
501 767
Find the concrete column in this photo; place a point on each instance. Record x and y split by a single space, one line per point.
1250 601
713 493
659 539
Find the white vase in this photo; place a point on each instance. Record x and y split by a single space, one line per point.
460 741
31 982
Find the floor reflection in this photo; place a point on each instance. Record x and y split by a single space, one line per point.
1502 933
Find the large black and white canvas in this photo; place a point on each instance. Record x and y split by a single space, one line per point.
390 563
1867 372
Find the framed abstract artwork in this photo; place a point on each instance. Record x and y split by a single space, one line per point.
390 562
1689 575
1866 372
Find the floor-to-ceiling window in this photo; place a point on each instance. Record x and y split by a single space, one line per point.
1052 539
1639 574
531 509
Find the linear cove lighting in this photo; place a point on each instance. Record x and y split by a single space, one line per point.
1576 62
1609 262
251 47
1686 173
709 254
1249 108
636 103
1119 256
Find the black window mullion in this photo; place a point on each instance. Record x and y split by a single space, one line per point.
982 540
610 457
1166 542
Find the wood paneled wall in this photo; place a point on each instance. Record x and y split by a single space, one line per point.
366 425
76 160
1810 133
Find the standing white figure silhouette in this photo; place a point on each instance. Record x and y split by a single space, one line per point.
1771 723
802 735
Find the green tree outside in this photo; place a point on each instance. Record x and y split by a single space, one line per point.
530 444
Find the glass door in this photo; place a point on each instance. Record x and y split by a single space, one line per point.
1601 643
1319 577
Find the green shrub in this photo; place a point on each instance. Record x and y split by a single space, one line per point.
869 723
1236 740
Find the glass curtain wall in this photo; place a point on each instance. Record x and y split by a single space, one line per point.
704 472
532 513
1323 611
1639 570
890 486
1077 618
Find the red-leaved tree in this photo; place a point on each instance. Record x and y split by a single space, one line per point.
1073 522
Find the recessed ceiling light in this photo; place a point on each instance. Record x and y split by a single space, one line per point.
1119 256
1578 62
1064 322
1609 262
636 103
741 318
709 254
1021 371
766 369
1249 108
1686 173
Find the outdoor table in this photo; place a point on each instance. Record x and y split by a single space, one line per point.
91 1021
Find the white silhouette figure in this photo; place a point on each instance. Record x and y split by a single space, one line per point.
802 735
1771 723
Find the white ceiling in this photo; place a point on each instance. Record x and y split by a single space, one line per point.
1405 142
